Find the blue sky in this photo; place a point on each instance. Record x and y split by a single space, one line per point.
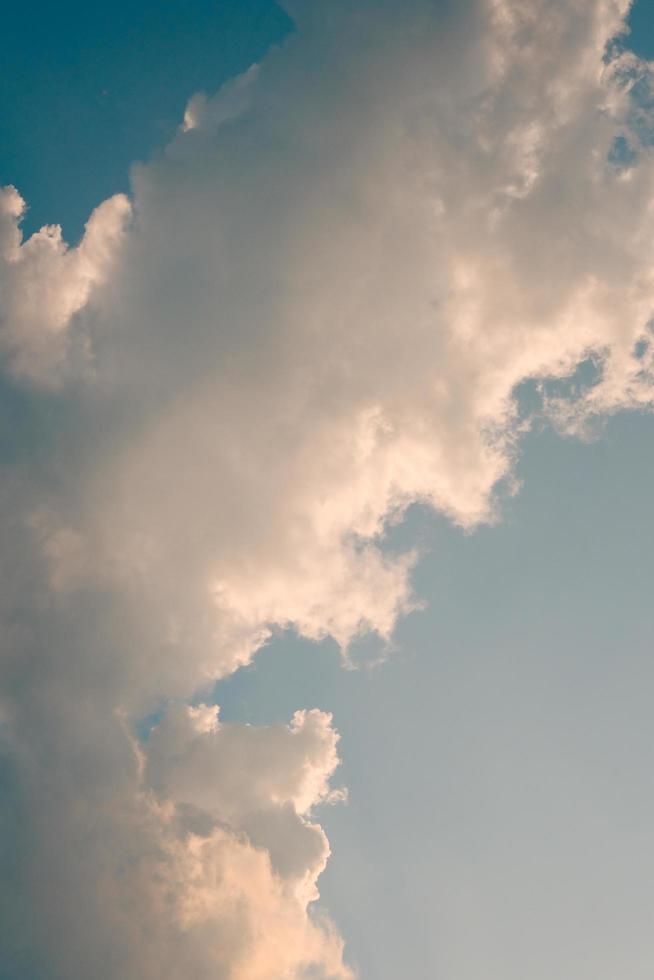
515 706
90 89
500 820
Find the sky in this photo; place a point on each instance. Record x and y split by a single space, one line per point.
326 494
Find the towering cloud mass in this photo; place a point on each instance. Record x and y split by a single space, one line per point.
318 307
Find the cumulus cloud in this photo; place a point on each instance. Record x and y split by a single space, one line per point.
44 283
195 857
262 780
317 308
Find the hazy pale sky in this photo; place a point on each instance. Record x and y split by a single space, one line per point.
327 471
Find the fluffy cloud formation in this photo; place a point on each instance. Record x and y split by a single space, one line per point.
318 308
196 856
44 284
261 780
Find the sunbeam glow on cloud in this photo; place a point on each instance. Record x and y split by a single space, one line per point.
315 309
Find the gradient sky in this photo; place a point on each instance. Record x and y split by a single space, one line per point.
498 762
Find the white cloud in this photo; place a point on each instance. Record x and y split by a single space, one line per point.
333 282
44 284
195 857
264 781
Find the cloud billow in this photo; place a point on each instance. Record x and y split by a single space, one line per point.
314 310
